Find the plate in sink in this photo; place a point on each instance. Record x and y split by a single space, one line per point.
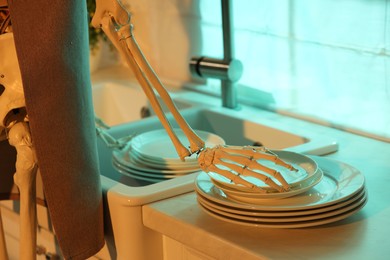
128 162
156 145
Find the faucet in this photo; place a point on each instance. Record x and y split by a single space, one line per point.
228 69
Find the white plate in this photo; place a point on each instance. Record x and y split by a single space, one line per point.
260 198
245 212
134 176
156 145
281 219
307 168
340 182
166 165
300 224
127 161
145 174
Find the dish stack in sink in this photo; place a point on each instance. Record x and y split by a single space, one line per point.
152 157
322 191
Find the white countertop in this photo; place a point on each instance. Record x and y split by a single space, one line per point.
361 236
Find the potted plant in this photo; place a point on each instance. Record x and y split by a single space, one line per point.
102 52
95 34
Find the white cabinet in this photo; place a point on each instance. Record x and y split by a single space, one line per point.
174 250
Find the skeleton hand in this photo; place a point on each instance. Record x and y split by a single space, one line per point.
234 161
108 139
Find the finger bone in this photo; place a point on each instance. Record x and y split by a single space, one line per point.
248 172
234 178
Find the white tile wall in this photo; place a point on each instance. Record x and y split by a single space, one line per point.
262 16
328 59
356 24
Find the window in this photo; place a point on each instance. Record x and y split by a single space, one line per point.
324 60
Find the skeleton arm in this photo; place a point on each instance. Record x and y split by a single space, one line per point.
119 31
112 17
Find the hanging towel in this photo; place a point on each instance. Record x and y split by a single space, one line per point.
51 40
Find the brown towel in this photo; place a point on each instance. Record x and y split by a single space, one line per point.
51 40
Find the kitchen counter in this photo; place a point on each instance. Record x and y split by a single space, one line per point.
364 235
361 236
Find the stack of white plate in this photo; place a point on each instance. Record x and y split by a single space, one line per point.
152 157
327 193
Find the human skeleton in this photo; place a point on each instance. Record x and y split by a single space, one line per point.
229 161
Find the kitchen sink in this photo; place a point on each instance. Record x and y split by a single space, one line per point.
230 126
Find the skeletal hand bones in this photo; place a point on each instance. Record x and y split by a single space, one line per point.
113 18
235 161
